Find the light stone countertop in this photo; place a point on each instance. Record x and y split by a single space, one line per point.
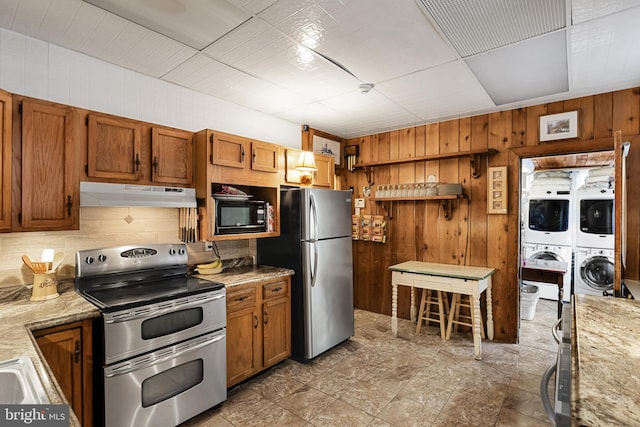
19 316
606 362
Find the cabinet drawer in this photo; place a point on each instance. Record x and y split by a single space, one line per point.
275 289
237 299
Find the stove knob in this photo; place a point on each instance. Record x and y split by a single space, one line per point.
172 251
181 251
102 258
89 260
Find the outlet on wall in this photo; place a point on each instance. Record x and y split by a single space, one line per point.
208 246
359 203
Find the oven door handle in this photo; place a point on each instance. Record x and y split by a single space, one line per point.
162 310
544 393
132 366
555 329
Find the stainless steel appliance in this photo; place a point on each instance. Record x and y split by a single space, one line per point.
315 241
237 214
163 359
559 411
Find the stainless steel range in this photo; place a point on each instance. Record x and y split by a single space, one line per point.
164 356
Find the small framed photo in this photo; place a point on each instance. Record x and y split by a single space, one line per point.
328 146
559 126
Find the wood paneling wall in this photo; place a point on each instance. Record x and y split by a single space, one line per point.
418 231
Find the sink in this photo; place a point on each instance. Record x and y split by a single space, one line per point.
20 383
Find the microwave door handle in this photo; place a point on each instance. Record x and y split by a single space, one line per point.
131 367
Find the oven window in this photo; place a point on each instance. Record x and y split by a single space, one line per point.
596 216
171 323
549 215
171 382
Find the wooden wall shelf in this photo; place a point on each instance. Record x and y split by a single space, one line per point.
445 202
475 156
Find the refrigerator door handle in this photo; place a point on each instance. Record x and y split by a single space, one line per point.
315 264
313 216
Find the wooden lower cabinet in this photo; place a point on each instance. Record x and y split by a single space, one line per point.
68 351
258 327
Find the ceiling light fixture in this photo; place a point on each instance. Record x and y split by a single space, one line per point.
366 87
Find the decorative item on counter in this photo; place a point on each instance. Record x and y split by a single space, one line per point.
355 227
379 227
45 285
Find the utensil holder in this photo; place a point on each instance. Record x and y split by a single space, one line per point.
45 286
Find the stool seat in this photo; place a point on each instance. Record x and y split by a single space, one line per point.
456 318
430 301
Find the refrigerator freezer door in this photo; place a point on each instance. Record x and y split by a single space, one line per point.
325 213
328 294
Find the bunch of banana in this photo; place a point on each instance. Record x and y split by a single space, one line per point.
213 267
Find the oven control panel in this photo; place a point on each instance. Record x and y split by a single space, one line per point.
121 259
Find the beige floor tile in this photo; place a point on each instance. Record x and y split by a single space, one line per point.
401 412
341 414
306 402
368 397
510 418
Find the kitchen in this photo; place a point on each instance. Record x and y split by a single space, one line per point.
99 86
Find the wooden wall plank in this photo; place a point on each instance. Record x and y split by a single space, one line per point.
603 112
478 201
464 177
584 106
625 111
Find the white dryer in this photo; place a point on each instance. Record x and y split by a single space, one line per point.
595 209
549 218
554 253
593 271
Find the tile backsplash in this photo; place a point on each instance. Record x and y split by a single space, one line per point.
102 227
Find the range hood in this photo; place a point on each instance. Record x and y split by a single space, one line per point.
96 194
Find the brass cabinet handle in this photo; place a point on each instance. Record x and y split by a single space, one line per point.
69 205
255 321
76 353
155 165
266 317
242 154
137 162
279 288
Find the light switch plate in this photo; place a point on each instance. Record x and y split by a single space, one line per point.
359 203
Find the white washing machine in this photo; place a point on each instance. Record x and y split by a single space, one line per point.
550 218
555 253
595 210
593 271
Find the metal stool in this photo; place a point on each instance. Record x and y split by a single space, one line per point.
438 299
455 316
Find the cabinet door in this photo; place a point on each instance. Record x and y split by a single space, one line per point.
324 174
243 345
275 324
229 150
113 148
5 161
172 156
63 351
50 182
264 156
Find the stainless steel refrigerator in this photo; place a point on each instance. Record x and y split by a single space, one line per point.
315 241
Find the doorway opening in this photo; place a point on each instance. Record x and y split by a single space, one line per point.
566 218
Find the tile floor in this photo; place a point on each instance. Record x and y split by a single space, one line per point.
414 379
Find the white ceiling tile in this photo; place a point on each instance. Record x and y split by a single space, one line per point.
401 41
255 6
319 116
600 52
439 92
28 16
585 10
195 23
8 10
59 16
527 70
83 25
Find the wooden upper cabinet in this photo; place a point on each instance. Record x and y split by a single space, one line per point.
324 175
172 156
50 177
5 160
264 156
113 148
229 150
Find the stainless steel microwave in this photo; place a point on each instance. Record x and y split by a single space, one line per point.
240 216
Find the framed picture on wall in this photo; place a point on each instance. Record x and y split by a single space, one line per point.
559 126
328 147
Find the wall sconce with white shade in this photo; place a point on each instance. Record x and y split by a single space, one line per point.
307 166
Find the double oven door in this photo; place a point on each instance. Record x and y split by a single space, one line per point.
165 362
